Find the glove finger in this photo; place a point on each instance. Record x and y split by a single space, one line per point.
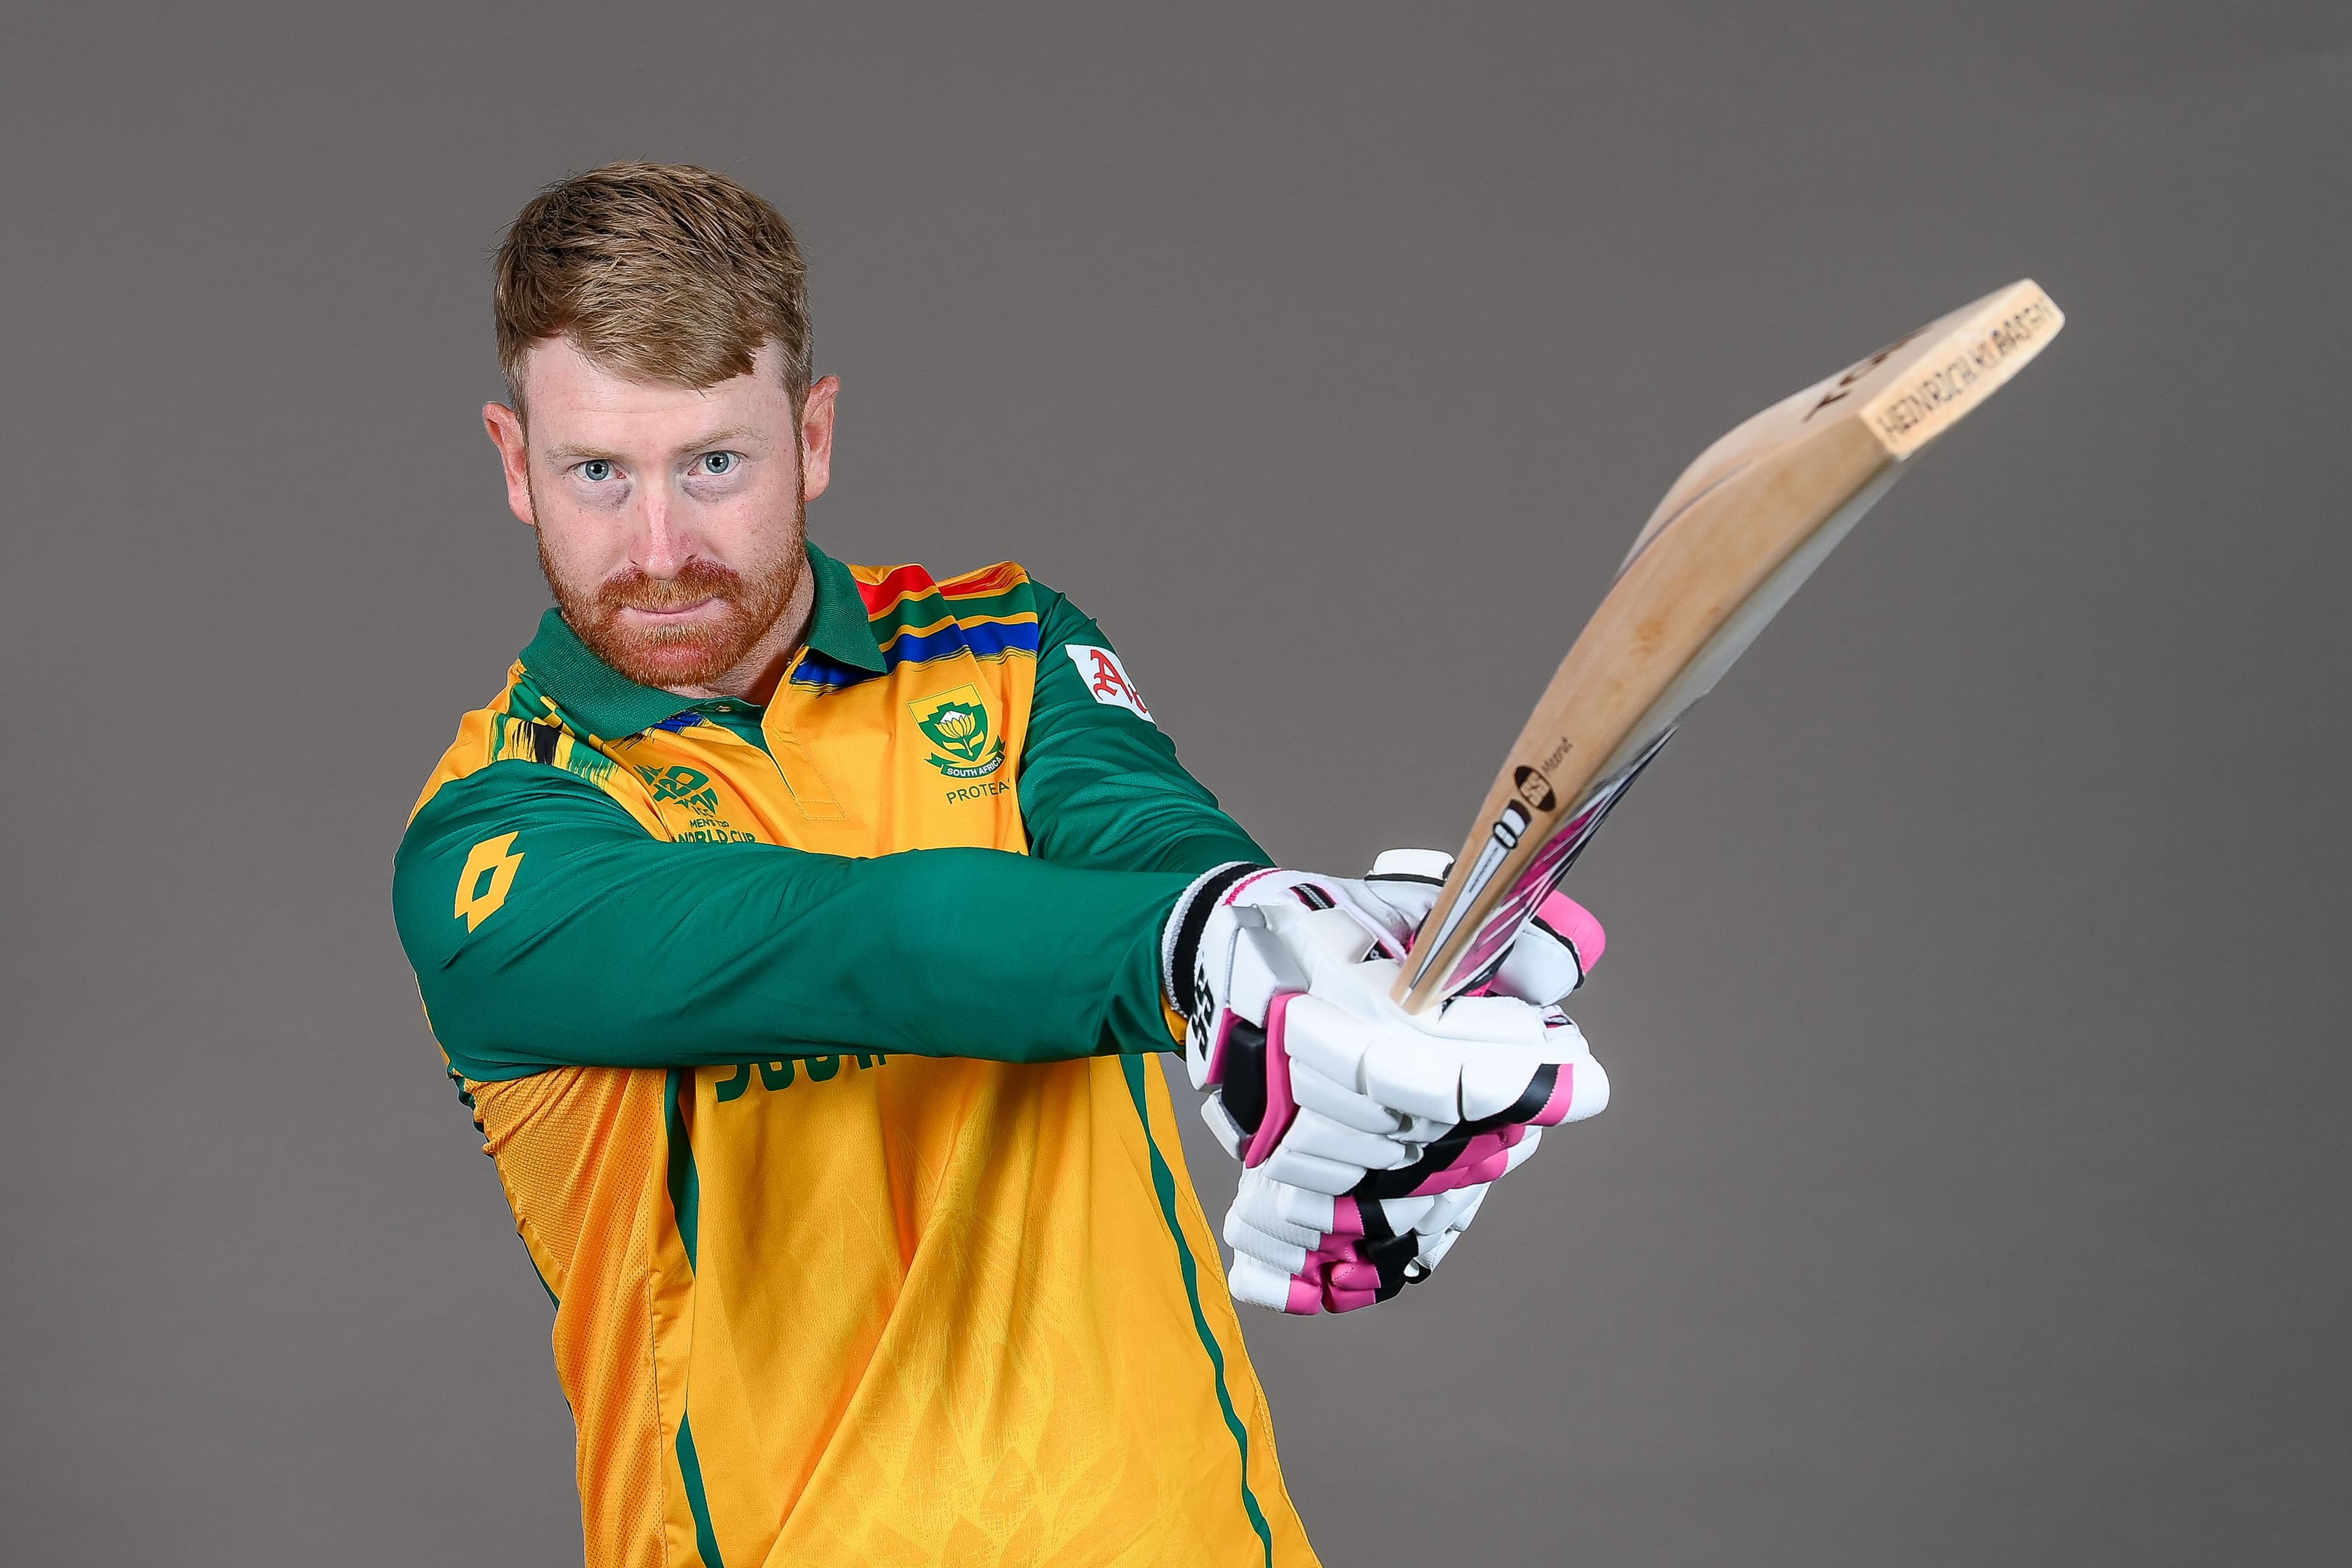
1507 1083
1434 1252
1553 953
1405 883
1490 1020
1257 1205
1272 1204
1255 1283
1272 1251
1337 925
1310 1089
1331 1042
1402 1214
1580 1091
1485 1159
1312 1132
1455 1177
1464 1156
1312 1172
1473 1199
1445 1212
1413 1076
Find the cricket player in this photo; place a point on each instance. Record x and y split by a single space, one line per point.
803 936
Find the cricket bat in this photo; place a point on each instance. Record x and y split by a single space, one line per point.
1736 536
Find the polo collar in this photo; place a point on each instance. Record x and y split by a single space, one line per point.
597 700
839 626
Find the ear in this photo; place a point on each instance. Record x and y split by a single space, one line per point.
816 437
505 426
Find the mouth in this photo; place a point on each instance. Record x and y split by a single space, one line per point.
670 615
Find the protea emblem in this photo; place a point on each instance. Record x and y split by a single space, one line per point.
959 729
957 723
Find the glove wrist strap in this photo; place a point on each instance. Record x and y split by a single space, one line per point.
1180 940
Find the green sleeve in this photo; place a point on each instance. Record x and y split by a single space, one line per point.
583 940
1100 786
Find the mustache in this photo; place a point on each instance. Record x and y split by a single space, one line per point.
692 583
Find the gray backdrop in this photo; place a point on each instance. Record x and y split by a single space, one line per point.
1975 1187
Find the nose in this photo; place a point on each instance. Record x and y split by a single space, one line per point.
662 546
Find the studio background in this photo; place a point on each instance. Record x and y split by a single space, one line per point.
1975 1185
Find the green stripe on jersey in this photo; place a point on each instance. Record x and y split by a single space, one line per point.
923 612
685 1184
1018 600
1163 1183
689 1464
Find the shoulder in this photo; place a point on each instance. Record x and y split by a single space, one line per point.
992 610
482 738
519 726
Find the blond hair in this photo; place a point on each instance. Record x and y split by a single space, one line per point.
656 271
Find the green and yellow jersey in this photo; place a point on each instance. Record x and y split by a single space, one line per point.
814 1045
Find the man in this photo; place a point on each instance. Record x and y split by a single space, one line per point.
801 935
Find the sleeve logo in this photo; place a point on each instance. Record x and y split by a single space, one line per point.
497 859
1106 678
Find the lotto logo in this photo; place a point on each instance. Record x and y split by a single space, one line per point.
495 859
1106 678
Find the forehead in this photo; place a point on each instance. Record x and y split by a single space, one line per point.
572 399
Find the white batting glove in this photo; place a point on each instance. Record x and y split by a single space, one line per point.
1319 1082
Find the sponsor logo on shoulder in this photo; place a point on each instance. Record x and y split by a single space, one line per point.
1105 677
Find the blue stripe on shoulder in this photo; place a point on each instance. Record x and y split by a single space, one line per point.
991 638
981 639
817 670
909 648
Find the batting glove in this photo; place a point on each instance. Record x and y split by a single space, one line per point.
1303 1253
1311 1071
1318 1079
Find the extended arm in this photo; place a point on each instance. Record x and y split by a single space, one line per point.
547 929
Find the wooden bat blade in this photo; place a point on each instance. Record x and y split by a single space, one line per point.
1733 539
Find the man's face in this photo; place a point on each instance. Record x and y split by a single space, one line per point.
669 517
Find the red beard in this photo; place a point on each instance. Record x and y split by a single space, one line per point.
694 655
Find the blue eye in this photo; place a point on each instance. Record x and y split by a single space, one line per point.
595 471
717 462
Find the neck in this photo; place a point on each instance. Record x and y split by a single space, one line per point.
754 678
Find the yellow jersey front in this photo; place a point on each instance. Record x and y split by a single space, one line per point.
850 1169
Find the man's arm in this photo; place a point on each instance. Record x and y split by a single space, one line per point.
547 929
1100 784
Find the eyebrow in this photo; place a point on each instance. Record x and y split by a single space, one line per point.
716 438
565 452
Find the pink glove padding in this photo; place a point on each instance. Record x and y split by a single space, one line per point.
1301 1253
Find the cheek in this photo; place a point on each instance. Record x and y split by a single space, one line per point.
579 546
754 524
